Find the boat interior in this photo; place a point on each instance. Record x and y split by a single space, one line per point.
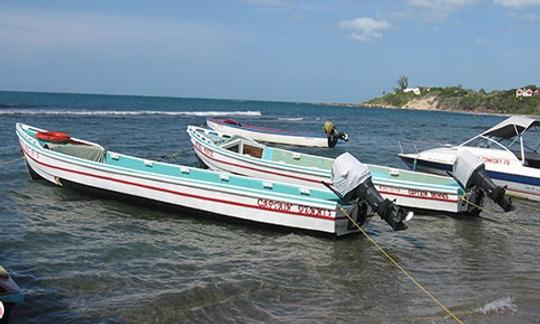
95 153
77 149
245 146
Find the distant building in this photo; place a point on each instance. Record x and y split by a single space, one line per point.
524 92
416 90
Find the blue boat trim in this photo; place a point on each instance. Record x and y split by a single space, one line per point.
514 178
493 174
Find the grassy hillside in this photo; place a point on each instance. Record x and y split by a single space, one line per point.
458 99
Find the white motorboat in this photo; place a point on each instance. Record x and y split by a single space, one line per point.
277 136
510 151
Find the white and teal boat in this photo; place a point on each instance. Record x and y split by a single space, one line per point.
230 153
276 136
71 162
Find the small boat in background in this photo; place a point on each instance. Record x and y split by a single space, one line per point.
225 152
510 151
278 136
71 162
10 295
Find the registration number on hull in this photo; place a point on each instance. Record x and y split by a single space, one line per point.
282 206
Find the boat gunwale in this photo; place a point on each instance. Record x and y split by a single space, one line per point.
263 130
194 183
312 171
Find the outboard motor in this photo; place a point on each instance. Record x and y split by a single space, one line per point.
332 134
352 182
470 172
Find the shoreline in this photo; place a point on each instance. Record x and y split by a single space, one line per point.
457 99
373 106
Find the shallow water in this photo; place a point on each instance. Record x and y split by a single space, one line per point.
79 258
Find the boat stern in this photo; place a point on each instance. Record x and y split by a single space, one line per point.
348 218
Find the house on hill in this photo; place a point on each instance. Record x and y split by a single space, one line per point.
416 90
524 92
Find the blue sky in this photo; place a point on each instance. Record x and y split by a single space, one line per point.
287 50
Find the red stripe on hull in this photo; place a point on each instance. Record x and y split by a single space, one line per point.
180 193
413 196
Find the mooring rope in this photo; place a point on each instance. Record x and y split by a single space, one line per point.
397 265
498 219
11 161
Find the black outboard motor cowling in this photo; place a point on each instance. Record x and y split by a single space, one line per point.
470 172
352 180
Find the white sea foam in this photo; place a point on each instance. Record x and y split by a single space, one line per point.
127 113
501 305
292 119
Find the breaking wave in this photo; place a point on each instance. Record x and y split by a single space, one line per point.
500 305
126 113
292 118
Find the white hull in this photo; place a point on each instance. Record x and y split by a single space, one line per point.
322 217
405 195
509 150
270 137
523 187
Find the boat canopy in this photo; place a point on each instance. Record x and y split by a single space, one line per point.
518 135
511 127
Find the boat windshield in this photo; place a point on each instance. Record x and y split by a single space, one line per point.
531 147
528 139
485 142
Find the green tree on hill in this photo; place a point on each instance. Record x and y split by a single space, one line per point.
455 98
402 83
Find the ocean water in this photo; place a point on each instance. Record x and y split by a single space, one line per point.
81 258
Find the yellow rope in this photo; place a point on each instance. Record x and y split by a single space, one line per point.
11 161
491 213
394 262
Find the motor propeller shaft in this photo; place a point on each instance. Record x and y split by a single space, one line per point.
497 193
470 171
392 214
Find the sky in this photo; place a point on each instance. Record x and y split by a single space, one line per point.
283 50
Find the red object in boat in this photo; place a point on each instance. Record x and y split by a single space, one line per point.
53 137
232 122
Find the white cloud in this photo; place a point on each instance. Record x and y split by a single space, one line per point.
269 3
443 4
523 16
366 29
297 8
437 10
480 41
517 3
